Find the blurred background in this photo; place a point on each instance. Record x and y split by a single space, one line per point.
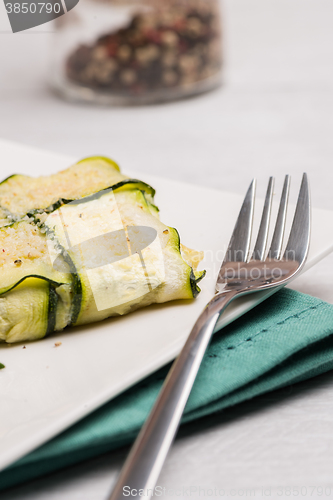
273 114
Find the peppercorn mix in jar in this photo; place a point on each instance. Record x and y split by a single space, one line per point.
145 51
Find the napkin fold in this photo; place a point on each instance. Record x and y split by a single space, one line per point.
286 339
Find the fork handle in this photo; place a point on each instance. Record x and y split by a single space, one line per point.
147 456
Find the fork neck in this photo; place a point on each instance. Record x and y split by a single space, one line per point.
220 301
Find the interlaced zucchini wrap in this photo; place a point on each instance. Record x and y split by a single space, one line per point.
83 245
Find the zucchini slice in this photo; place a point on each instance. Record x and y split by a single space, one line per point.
126 184
83 245
35 298
33 308
19 194
27 311
122 278
24 251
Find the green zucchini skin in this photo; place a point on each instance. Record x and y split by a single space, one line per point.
194 276
7 178
194 280
37 276
132 183
76 280
146 189
98 158
77 289
52 310
36 295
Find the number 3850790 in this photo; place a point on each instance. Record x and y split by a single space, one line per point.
32 8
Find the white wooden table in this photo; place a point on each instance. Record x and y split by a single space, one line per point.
273 115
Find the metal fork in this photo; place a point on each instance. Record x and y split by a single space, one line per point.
240 274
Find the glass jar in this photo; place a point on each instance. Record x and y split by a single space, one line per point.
136 52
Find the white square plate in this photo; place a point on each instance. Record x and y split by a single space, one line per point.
44 390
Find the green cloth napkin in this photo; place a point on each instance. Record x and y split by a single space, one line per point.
286 339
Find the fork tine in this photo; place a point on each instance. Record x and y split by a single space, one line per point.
239 244
260 246
277 240
299 238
